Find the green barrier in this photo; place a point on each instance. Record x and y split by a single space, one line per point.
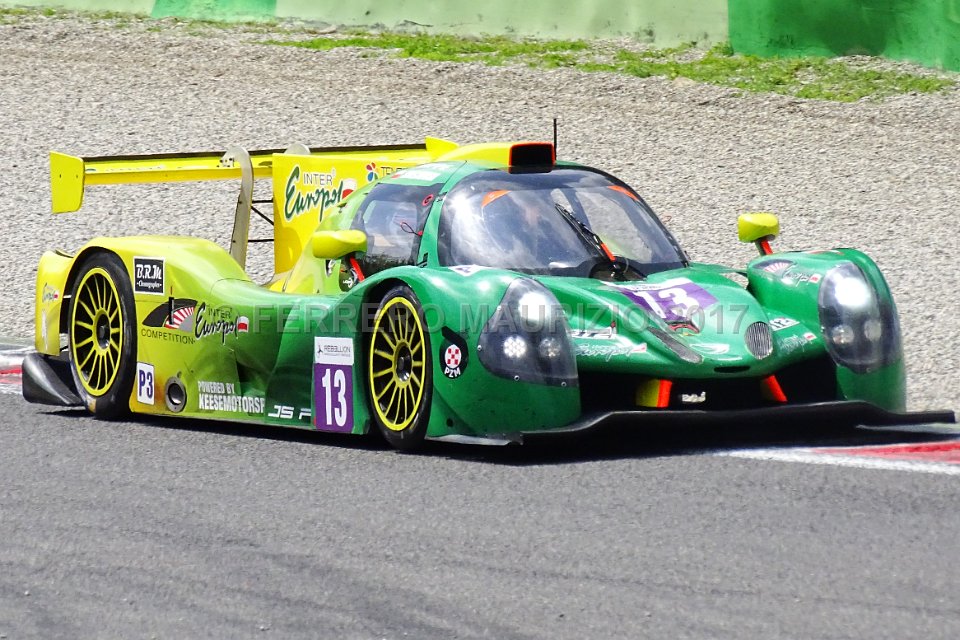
216 9
665 22
662 22
924 31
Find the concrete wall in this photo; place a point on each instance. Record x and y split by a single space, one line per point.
925 31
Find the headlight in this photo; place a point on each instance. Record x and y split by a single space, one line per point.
861 331
527 337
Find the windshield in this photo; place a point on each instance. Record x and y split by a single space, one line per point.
541 223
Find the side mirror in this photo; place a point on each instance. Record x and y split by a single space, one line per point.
334 245
758 228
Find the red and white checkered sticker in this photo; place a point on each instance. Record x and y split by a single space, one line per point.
452 356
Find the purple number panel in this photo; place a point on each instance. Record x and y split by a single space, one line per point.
333 384
673 300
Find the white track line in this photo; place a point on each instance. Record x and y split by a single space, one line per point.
808 456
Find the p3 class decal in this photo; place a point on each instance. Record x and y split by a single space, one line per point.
453 354
146 383
674 301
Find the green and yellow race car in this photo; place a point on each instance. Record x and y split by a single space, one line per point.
472 293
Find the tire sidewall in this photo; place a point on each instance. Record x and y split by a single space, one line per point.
115 402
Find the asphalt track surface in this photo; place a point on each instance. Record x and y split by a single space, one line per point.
174 529
171 529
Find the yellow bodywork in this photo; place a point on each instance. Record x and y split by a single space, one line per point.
752 227
307 183
52 274
333 245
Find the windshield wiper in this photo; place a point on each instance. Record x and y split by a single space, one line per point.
587 234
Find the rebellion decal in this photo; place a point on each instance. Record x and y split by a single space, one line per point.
148 276
453 354
223 396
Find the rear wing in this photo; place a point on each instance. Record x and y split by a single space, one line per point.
307 181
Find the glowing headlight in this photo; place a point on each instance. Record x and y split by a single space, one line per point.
536 311
861 330
514 347
853 293
526 338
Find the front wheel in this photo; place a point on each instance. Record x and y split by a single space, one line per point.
399 370
102 335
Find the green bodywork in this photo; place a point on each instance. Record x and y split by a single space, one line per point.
247 351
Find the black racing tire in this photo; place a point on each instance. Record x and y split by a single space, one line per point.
102 335
399 370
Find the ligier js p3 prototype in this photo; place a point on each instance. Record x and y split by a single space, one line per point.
475 293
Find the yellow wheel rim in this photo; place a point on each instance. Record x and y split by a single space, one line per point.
397 364
96 331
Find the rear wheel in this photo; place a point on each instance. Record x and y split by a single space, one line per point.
102 335
399 370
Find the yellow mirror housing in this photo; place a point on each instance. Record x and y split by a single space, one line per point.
754 227
333 245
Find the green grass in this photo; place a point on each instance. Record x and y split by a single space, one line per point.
492 50
813 78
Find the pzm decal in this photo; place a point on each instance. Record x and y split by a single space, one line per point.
453 354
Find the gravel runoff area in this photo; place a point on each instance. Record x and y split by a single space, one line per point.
880 176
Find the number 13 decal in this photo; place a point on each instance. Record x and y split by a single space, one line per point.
672 300
333 384
675 301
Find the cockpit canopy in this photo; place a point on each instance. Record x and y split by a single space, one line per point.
551 222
